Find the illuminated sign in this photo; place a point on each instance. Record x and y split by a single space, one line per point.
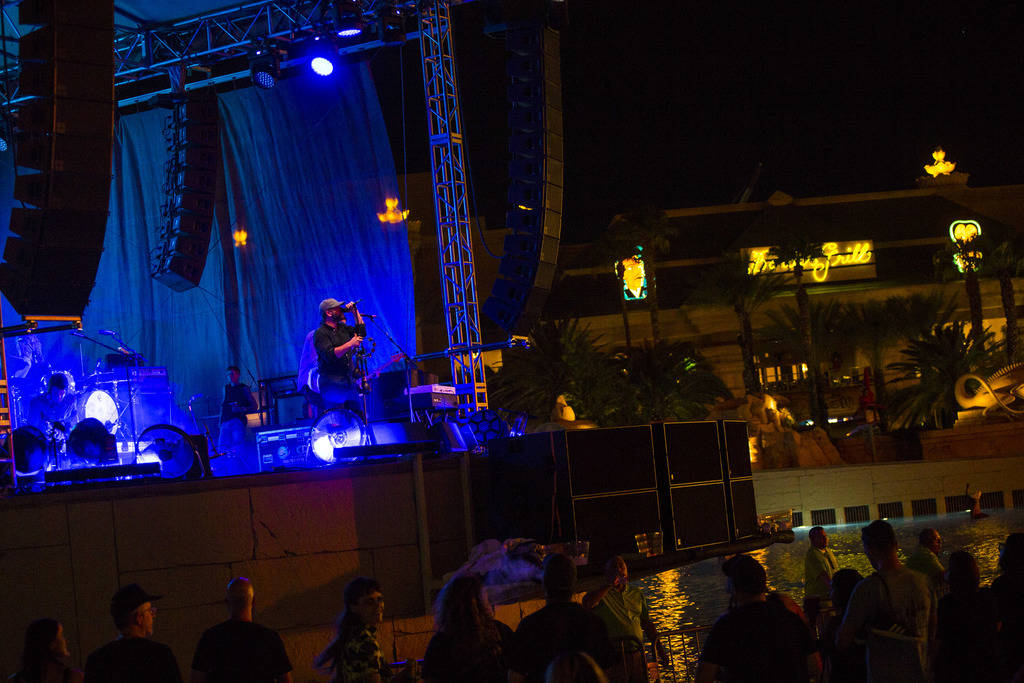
633 275
391 213
962 233
841 261
941 166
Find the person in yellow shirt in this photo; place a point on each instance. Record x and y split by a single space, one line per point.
819 566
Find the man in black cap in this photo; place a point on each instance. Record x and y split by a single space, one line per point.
334 341
757 639
133 657
239 650
560 626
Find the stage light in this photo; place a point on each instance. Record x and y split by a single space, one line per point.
323 56
265 67
338 428
321 66
241 237
390 26
350 21
3 143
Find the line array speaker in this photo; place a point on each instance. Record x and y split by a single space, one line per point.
192 132
64 137
534 214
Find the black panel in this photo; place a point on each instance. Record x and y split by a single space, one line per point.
744 508
608 460
610 522
699 515
692 451
736 447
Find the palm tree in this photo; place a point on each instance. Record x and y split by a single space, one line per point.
729 283
934 363
1004 263
671 381
563 359
876 326
648 228
796 250
966 254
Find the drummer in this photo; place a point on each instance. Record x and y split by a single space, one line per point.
238 400
53 411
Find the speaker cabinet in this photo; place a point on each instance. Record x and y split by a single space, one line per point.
597 485
535 171
192 176
64 137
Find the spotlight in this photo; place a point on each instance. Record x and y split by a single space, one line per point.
391 26
265 67
350 18
337 428
324 54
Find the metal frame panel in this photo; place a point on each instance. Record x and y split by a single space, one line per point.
451 207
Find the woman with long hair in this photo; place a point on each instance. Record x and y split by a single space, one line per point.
469 643
46 650
354 655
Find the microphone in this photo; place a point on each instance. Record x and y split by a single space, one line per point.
110 333
78 333
351 304
195 397
371 316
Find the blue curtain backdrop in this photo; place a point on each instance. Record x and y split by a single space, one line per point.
306 168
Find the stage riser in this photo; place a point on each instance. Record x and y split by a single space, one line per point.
299 536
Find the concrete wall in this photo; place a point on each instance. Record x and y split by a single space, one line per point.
299 536
806 490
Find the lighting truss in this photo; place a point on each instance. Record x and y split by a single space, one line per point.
143 51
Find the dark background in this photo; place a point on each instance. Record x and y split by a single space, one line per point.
674 104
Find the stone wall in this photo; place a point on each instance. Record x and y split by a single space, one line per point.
299 536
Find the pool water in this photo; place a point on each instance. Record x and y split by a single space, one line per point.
695 595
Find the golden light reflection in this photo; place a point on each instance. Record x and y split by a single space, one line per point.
241 237
941 166
962 233
392 214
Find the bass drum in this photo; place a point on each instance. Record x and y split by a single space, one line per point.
100 404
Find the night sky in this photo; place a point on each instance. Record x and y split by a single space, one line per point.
674 104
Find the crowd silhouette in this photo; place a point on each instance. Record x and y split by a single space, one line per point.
884 627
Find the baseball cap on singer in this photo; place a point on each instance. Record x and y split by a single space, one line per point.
328 304
128 598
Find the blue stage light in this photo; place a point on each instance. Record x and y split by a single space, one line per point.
350 32
322 66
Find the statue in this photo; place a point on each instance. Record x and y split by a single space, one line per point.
1001 393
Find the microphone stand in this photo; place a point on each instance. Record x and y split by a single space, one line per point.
408 362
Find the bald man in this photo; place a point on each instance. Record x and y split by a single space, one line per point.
239 650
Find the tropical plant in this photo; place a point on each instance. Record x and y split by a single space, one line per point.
1003 263
671 381
970 262
931 366
563 359
796 249
876 326
730 283
649 228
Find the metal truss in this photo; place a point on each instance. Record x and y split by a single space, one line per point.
451 207
144 50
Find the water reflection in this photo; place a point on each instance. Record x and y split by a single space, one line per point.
695 595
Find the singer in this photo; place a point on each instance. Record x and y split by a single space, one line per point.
334 342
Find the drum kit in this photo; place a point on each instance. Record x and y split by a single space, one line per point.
95 409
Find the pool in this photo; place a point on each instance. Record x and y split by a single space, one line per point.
695 595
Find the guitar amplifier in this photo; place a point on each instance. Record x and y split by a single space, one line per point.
283 447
